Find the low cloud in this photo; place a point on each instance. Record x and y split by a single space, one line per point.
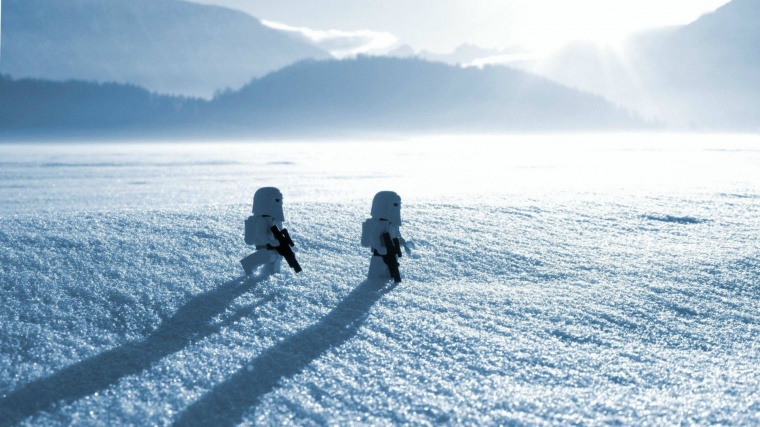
339 43
505 59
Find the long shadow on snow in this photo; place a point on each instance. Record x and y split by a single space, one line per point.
228 402
189 323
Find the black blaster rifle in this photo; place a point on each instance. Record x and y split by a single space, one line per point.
286 243
392 255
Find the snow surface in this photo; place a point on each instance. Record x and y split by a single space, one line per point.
587 279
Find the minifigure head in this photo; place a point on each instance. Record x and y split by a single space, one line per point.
268 201
387 205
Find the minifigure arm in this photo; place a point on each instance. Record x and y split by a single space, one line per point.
408 245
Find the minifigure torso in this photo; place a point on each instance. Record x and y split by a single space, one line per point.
262 230
376 230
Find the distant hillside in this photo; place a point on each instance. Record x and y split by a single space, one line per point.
166 46
33 108
411 94
712 66
721 46
704 75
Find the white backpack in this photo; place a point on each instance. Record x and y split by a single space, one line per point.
366 230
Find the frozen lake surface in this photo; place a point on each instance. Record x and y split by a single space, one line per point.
583 279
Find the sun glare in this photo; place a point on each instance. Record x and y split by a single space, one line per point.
554 23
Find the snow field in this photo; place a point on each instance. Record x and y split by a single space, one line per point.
609 279
580 309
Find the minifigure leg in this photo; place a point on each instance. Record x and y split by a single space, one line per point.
273 266
378 269
262 257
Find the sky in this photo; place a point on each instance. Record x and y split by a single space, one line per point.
441 25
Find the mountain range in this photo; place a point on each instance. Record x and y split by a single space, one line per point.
147 65
365 94
412 94
166 46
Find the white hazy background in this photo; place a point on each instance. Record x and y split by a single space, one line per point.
153 175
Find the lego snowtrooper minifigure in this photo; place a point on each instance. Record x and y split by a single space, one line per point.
381 234
264 230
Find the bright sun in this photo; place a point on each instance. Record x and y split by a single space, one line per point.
553 23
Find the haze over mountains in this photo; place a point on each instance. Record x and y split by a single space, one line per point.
704 75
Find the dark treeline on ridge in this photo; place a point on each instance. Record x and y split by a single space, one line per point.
33 108
364 94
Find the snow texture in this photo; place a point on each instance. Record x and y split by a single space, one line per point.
557 280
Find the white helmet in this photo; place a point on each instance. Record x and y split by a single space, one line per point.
387 205
268 201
